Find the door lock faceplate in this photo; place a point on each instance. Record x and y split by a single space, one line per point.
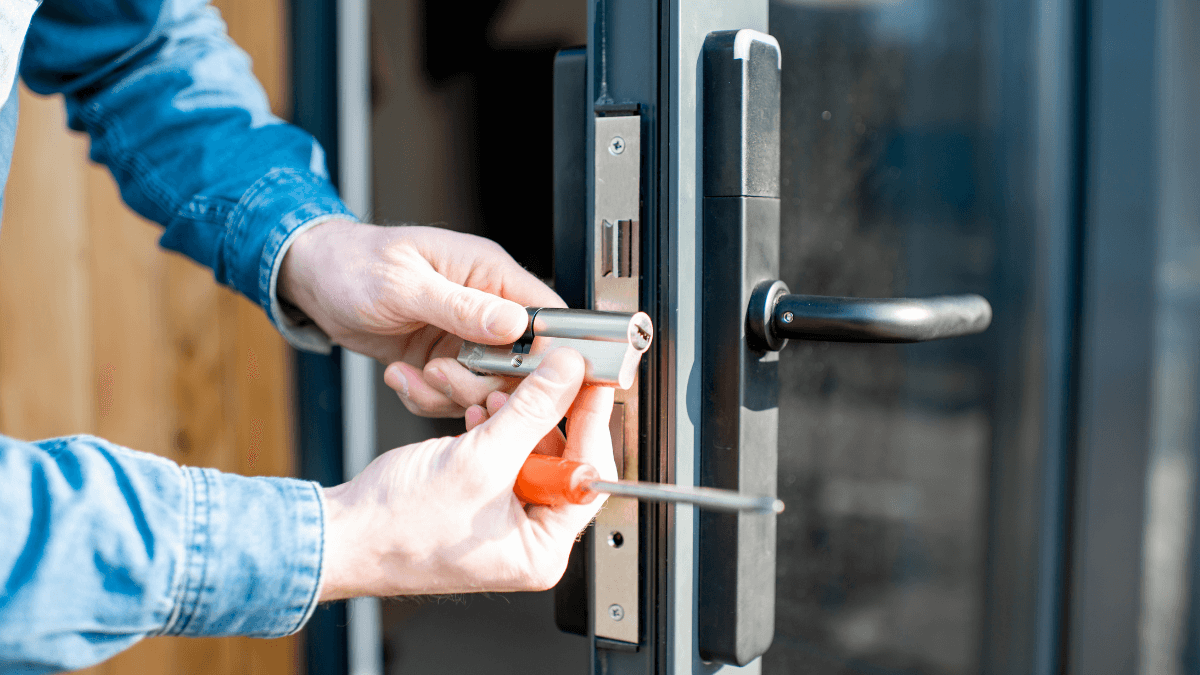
615 287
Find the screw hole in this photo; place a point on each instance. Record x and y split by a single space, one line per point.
616 539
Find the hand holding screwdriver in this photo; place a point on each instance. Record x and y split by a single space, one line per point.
440 516
611 344
548 480
551 481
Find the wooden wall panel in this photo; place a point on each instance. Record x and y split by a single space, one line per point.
46 369
128 334
102 332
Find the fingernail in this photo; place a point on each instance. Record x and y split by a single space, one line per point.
440 381
400 382
474 415
503 319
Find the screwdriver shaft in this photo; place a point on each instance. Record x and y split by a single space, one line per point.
709 498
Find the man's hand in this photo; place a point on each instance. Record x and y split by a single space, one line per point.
441 516
405 296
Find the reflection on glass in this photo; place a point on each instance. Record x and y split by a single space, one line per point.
1169 558
889 189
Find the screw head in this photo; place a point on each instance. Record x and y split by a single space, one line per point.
787 317
516 361
616 612
617 145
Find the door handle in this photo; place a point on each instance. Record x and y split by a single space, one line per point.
747 316
775 316
739 385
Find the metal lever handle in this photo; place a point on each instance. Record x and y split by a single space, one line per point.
774 317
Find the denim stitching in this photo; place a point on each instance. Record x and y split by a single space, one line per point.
112 141
239 216
208 586
202 548
215 211
311 604
180 576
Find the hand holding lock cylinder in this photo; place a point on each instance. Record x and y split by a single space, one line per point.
611 343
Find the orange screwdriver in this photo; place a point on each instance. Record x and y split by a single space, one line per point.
551 481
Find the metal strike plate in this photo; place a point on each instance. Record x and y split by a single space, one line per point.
611 343
614 284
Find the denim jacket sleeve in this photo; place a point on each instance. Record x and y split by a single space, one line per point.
175 113
101 546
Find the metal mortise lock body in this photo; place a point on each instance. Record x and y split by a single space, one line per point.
611 343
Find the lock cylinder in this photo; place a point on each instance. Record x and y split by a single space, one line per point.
611 344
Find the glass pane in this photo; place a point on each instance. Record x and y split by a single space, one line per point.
902 175
1170 573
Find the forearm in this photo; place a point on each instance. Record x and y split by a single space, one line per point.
101 546
175 113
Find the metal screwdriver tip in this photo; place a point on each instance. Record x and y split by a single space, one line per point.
713 499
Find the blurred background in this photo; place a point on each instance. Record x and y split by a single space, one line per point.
103 333
1021 501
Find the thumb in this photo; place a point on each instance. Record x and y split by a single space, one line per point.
532 411
472 314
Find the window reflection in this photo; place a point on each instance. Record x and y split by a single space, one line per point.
888 190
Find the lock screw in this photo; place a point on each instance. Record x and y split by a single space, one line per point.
617 145
516 361
787 317
616 612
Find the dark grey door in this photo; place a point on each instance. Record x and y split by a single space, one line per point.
906 172
974 505
979 505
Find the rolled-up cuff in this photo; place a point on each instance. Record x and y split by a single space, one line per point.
252 556
266 218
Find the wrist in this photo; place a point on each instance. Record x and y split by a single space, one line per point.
302 265
344 565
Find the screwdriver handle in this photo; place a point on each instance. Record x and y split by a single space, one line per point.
551 481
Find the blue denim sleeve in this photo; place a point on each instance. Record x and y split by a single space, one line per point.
101 546
175 113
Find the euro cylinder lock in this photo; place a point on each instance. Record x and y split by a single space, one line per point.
611 343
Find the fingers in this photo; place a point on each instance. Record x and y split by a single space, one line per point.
588 440
417 395
521 286
478 414
471 314
475 416
480 263
461 385
495 401
444 388
588 436
551 444
531 412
